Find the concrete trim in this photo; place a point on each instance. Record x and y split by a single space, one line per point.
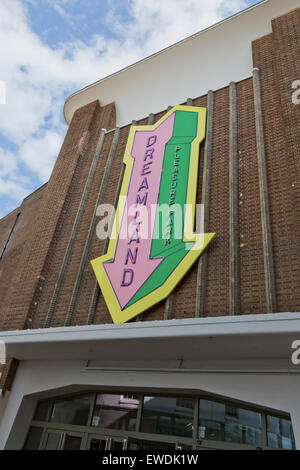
264 196
202 263
243 325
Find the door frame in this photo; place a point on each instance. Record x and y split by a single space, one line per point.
108 439
63 433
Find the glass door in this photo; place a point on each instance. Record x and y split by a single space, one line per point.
71 441
137 444
62 440
96 442
53 440
117 443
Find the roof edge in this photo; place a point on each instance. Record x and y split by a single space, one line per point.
208 326
155 54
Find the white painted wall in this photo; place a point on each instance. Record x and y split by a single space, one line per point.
3 402
277 391
209 60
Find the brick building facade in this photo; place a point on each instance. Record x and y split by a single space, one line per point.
249 181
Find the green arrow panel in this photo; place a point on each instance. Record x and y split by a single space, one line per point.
169 221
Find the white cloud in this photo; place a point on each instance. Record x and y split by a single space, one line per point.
8 163
38 153
13 188
11 182
37 76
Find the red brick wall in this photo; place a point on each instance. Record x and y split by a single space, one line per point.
21 232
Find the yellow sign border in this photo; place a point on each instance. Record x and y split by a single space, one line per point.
201 240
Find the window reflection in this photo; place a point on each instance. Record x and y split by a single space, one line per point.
116 411
42 411
169 416
72 410
34 438
53 440
224 422
97 444
280 433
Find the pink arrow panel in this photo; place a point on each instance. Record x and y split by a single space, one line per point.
132 264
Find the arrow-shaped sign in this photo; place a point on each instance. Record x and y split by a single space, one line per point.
154 244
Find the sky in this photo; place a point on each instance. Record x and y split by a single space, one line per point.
52 48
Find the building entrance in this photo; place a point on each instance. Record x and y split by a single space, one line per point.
110 421
68 440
